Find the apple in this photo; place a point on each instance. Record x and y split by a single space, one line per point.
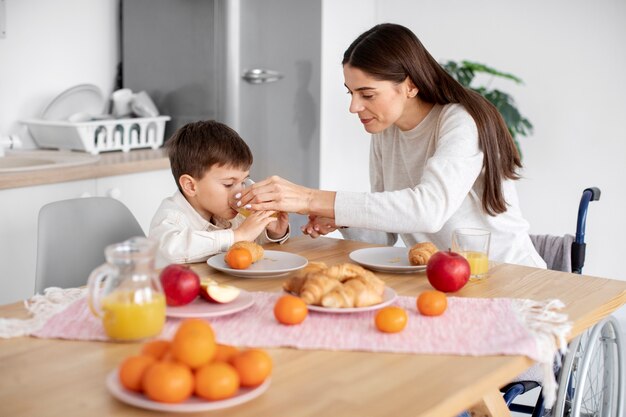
218 293
180 284
447 271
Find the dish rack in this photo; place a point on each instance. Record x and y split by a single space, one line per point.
99 135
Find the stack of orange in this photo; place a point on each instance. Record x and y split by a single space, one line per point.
193 363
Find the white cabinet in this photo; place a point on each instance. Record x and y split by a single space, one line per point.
141 193
19 209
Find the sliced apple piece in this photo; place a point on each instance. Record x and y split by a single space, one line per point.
219 293
204 283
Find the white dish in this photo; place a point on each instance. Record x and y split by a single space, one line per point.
203 308
386 259
193 404
388 297
86 99
274 264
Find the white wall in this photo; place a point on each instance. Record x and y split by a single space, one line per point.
49 47
571 57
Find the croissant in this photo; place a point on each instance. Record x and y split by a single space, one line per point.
315 286
255 250
294 284
353 293
420 253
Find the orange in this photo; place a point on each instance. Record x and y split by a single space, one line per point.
216 381
290 310
238 258
253 367
131 371
432 303
391 319
168 382
156 348
193 343
224 353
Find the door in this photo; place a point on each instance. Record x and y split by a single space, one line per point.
275 93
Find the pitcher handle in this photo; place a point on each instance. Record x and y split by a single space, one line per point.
94 284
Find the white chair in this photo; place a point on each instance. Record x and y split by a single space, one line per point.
72 235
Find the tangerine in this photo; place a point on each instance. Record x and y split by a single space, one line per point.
432 303
216 381
193 343
156 348
391 319
168 382
238 258
290 309
253 367
131 371
224 353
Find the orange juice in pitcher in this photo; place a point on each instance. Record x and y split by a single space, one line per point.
126 294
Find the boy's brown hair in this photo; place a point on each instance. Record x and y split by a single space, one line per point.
195 147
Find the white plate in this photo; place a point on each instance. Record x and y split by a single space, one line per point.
274 264
82 98
388 297
386 259
203 308
193 404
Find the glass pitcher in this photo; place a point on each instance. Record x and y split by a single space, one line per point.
126 294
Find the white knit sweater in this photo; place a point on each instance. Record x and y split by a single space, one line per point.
425 183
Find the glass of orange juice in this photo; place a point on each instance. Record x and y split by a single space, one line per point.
243 210
126 294
473 245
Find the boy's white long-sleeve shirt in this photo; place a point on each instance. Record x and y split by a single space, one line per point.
184 236
428 181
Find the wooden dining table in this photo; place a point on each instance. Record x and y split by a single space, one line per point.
50 377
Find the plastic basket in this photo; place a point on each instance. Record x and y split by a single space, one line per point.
99 135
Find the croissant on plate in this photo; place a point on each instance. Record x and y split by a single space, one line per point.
343 285
420 253
255 250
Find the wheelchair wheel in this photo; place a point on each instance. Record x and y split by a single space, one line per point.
591 382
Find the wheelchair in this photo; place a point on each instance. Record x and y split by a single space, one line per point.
591 376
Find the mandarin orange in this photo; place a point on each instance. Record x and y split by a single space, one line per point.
168 382
216 381
224 353
290 309
432 303
131 370
253 367
156 348
193 343
238 258
391 319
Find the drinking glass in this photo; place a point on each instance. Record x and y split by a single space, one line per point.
473 245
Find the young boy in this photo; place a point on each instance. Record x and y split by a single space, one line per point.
209 162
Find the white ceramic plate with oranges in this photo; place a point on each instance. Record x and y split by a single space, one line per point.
274 264
191 405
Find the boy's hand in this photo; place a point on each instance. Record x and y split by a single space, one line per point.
319 226
279 228
254 225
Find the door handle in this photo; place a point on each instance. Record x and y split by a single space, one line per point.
261 76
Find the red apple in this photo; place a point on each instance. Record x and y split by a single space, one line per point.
180 284
219 293
447 271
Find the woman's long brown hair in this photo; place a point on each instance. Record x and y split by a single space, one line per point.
392 52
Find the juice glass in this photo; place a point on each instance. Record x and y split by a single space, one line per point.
126 294
242 210
473 245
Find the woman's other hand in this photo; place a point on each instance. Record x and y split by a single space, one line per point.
319 226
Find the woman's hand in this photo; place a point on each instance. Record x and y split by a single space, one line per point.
254 225
278 194
278 229
319 226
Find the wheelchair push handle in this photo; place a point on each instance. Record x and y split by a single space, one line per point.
579 246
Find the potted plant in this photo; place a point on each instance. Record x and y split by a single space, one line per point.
465 72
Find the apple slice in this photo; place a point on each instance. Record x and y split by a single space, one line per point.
204 283
219 293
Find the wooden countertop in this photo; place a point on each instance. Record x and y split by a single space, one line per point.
110 164
47 377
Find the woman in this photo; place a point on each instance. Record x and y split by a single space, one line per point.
441 157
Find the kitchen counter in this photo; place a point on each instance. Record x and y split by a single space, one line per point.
110 164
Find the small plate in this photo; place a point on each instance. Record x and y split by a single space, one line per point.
82 98
388 297
203 308
386 259
274 264
193 404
